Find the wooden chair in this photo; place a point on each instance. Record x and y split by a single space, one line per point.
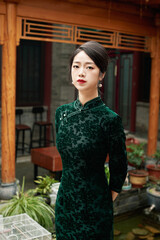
42 127
21 128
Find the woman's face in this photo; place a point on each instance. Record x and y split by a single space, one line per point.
85 74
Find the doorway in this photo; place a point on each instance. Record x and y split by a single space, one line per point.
120 86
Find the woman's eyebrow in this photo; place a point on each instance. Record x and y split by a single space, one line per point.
85 62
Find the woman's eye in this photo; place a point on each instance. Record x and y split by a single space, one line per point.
89 67
75 66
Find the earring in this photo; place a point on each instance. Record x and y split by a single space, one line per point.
100 85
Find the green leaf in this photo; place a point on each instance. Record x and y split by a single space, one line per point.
34 206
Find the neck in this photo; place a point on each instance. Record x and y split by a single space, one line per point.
83 97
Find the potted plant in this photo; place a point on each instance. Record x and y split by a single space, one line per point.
127 185
153 196
34 206
136 155
136 158
154 169
44 186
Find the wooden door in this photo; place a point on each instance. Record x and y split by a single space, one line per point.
125 88
110 83
118 89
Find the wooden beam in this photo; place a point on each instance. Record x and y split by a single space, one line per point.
151 2
89 17
12 1
8 95
101 4
141 2
154 95
2 8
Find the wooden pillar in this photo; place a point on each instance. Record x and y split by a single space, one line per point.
154 95
8 95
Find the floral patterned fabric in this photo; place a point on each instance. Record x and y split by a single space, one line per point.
84 137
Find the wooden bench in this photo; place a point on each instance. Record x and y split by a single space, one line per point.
48 158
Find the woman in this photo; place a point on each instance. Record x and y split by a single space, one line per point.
86 131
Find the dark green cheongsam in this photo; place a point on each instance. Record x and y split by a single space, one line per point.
84 137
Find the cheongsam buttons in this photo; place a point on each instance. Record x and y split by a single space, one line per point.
63 116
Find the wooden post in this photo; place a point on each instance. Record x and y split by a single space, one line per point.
8 94
154 95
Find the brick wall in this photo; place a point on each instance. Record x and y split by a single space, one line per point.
62 89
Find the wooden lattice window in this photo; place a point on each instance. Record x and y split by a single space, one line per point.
133 41
69 33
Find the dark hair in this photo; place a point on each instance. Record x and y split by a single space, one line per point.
96 52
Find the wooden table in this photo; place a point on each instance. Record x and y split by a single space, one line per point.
48 158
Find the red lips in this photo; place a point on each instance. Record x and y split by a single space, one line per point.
81 81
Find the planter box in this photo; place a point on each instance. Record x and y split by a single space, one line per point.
131 200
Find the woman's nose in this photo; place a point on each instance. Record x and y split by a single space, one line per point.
81 72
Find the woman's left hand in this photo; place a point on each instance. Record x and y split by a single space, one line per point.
114 195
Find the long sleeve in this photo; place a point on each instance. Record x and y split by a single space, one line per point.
117 154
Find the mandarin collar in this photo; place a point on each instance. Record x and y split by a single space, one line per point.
88 105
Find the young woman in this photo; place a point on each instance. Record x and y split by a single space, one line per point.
86 131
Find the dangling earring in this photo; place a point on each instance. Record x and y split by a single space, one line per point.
100 84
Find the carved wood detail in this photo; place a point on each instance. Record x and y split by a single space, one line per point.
33 29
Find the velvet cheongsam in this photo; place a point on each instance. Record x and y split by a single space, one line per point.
85 135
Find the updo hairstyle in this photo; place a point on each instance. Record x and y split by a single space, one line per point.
96 52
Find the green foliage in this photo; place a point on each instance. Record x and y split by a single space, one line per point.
34 206
157 156
107 172
44 184
54 236
136 154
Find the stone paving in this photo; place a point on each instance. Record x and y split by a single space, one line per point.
25 168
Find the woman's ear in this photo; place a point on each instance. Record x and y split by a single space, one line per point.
101 76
